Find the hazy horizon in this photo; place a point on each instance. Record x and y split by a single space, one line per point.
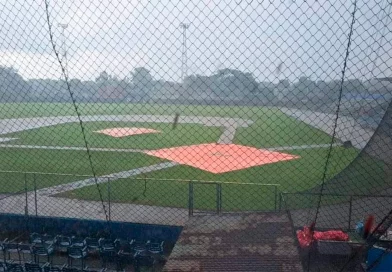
308 38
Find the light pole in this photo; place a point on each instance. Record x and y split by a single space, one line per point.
63 46
184 59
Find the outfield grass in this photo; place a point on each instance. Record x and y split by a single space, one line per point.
19 110
271 128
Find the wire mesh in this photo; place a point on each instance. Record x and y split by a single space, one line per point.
157 112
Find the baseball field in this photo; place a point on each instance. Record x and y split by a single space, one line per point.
46 141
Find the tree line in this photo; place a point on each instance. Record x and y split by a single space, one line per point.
224 86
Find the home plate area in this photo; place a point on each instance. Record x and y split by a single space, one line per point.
220 158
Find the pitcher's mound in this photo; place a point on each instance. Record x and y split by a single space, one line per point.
220 158
126 131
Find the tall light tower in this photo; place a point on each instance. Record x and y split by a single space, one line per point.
63 47
184 59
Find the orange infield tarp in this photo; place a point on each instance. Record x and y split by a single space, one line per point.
220 158
126 131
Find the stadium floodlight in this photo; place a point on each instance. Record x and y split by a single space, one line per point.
63 45
184 59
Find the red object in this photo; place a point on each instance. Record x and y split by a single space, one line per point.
305 236
331 235
368 226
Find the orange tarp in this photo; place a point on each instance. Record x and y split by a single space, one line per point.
220 158
126 131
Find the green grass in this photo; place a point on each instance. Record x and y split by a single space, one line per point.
58 161
271 128
235 197
18 110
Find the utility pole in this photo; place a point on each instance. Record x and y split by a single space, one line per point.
184 59
63 47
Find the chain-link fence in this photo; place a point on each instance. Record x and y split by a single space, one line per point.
159 112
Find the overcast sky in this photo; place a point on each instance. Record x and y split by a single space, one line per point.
309 38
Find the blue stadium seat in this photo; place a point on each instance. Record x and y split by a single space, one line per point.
63 243
13 267
92 244
12 248
42 250
126 255
106 244
77 253
33 267
35 238
3 267
155 246
50 268
107 251
25 249
138 245
78 241
71 269
2 248
48 239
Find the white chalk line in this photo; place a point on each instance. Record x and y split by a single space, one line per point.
130 150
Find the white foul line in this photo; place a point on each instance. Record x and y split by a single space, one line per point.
295 147
91 181
278 148
77 148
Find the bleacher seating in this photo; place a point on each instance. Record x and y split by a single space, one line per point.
121 253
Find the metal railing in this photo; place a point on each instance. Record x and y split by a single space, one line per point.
219 198
350 205
226 195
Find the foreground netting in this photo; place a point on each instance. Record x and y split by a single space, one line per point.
154 113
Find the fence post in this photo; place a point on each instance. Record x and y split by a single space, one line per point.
25 187
109 199
35 195
219 198
190 198
280 202
276 196
350 212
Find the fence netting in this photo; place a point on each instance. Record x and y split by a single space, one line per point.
155 112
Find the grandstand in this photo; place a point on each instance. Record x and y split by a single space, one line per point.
198 136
